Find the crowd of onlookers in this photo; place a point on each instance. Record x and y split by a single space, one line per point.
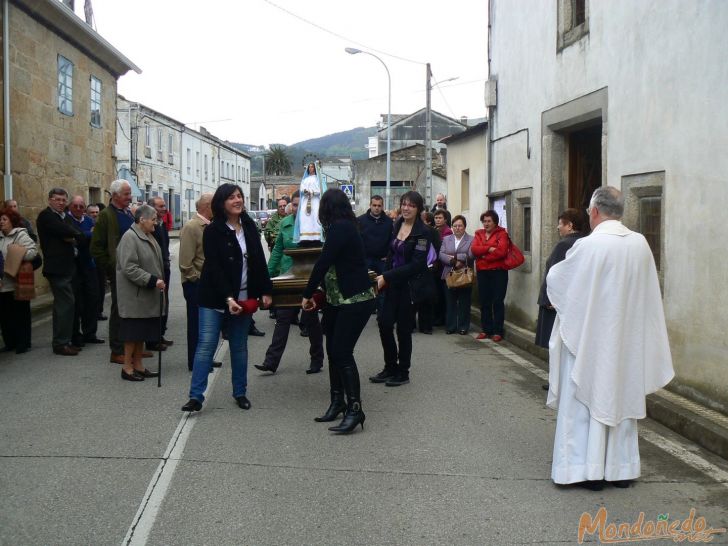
79 247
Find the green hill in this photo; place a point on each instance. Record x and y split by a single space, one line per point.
352 143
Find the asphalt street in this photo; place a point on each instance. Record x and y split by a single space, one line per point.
461 455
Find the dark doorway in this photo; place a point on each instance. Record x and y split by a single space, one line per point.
585 165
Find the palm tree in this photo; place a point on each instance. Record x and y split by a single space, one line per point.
277 162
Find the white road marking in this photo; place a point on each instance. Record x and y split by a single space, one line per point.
678 451
143 522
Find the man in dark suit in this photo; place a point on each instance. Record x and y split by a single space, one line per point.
58 239
162 236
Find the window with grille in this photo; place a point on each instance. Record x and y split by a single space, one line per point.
650 218
159 145
526 228
189 161
170 149
95 102
205 166
65 86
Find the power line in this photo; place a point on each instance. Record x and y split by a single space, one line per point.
295 15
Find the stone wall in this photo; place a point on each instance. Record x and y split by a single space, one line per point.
49 148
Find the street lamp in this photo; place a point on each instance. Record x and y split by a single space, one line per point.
354 51
428 134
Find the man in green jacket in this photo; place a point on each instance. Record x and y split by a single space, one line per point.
274 222
111 224
280 263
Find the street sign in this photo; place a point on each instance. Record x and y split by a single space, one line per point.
348 189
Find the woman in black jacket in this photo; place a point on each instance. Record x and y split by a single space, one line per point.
407 259
342 271
233 276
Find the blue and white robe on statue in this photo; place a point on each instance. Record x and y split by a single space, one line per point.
608 351
307 226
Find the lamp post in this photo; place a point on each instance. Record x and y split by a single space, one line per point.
428 134
354 51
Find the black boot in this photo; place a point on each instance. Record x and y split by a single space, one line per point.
337 397
354 415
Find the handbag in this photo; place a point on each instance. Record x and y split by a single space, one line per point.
514 258
14 259
25 283
459 278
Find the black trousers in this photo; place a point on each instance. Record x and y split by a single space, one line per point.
189 289
284 319
167 277
342 325
86 294
117 346
492 286
398 310
14 321
101 278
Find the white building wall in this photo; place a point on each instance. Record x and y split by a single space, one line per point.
663 64
468 153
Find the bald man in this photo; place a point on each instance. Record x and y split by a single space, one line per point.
191 258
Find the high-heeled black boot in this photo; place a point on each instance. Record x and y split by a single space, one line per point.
354 415
337 397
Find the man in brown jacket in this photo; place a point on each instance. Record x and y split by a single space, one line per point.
191 258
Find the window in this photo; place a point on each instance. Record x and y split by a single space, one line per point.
189 161
643 212
650 215
147 140
65 86
95 102
573 22
160 152
197 163
212 166
465 190
205 166
170 149
526 228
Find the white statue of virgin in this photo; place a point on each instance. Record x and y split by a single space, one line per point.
307 226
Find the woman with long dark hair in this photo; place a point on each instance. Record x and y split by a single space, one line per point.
233 276
342 271
407 259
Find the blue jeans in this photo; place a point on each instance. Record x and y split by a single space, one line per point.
208 335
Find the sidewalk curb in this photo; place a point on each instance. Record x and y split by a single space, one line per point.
704 426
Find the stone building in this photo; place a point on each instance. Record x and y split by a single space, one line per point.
407 173
62 114
160 156
266 190
632 95
408 130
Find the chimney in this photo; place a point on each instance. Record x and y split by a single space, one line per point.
464 120
69 4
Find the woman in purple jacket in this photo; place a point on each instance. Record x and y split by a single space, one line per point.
455 254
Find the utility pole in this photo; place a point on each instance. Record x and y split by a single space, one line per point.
428 140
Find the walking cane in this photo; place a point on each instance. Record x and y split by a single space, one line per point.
161 313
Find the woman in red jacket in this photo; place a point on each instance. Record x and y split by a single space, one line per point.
489 248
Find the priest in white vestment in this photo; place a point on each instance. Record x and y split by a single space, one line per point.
307 226
608 348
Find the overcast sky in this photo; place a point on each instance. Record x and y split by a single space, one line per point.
278 79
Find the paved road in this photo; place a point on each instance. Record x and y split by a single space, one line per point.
460 456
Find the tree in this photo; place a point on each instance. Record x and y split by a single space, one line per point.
277 162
